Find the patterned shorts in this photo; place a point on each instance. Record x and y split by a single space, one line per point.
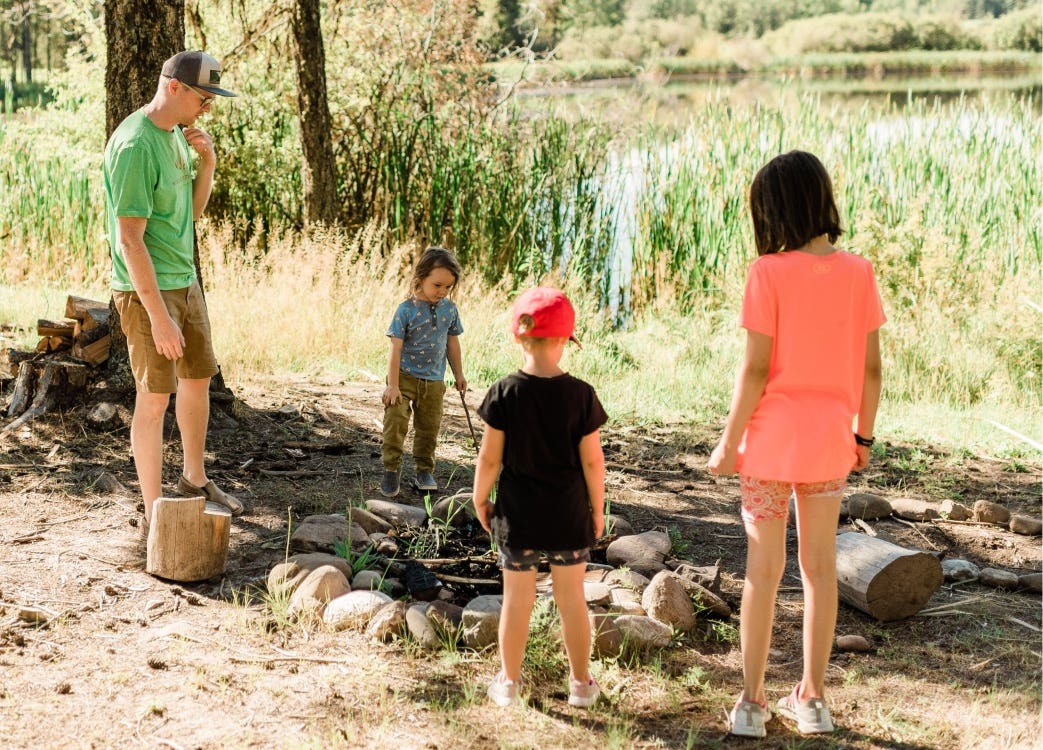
521 560
764 499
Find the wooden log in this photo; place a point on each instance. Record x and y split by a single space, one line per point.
884 580
94 353
46 394
23 390
94 317
55 327
187 539
77 307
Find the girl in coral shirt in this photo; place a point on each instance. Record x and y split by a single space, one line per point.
812 363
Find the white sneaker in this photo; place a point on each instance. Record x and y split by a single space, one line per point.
583 694
748 719
503 692
812 716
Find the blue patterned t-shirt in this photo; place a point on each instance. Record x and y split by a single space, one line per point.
424 328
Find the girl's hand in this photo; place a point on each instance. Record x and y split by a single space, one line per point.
485 514
392 395
862 454
461 384
723 461
599 524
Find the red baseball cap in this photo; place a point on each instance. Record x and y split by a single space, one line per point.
551 312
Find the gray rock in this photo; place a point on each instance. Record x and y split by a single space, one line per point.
606 638
866 506
370 522
384 544
913 510
641 552
959 570
988 512
388 622
625 602
285 577
354 609
420 628
1031 582
706 600
312 560
665 600
397 514
618 525
706 575
455 510
321 533
480 621
1025 525
627 579
322 585
954 511
640 632
855 643
367 580
999 579
596 593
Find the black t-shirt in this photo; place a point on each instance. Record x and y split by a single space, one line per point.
542 501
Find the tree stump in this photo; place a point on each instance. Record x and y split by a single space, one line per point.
187 539
882 579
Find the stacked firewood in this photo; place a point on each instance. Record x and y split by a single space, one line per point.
85 336
60 367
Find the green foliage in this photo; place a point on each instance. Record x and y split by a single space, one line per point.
358 561
1019 31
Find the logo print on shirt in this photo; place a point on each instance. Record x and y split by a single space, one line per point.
822 268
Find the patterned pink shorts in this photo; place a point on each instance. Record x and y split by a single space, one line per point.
763 499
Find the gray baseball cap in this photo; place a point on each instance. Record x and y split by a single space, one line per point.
196 68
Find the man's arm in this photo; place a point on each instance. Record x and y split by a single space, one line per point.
165 332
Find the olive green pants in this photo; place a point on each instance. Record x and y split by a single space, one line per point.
423 399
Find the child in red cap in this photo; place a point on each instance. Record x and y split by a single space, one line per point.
542 437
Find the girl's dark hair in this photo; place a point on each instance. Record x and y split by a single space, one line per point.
435 257
791 203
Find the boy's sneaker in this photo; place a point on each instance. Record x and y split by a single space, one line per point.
583 694
425 481
747 719
389 484
503 692
812 716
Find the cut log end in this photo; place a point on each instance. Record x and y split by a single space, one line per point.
188 539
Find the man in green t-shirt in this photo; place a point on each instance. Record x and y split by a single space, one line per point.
159 171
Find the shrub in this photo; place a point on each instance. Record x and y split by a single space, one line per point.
1019 31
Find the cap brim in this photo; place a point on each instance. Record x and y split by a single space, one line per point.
216 90
575 341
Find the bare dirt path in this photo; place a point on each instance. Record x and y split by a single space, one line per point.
120 659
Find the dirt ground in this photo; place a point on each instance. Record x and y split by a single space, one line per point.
126 660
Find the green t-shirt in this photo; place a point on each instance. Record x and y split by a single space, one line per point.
148 175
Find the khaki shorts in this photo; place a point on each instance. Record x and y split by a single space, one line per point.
154 373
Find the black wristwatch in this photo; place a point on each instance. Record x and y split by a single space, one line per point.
865 442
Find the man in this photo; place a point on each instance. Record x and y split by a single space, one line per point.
159 171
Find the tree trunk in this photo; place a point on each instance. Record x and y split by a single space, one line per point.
319 174
27 48
140 35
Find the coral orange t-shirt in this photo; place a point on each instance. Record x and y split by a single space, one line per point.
818 310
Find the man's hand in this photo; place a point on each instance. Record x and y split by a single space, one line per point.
169 340
200 140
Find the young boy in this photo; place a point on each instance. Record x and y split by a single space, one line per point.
542 427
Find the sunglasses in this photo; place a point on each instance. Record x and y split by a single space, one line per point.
204 100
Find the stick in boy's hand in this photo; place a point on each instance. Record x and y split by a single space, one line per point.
474 438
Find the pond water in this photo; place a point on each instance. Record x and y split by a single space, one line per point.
887 112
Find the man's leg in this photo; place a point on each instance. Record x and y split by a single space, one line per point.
193 414
146 444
